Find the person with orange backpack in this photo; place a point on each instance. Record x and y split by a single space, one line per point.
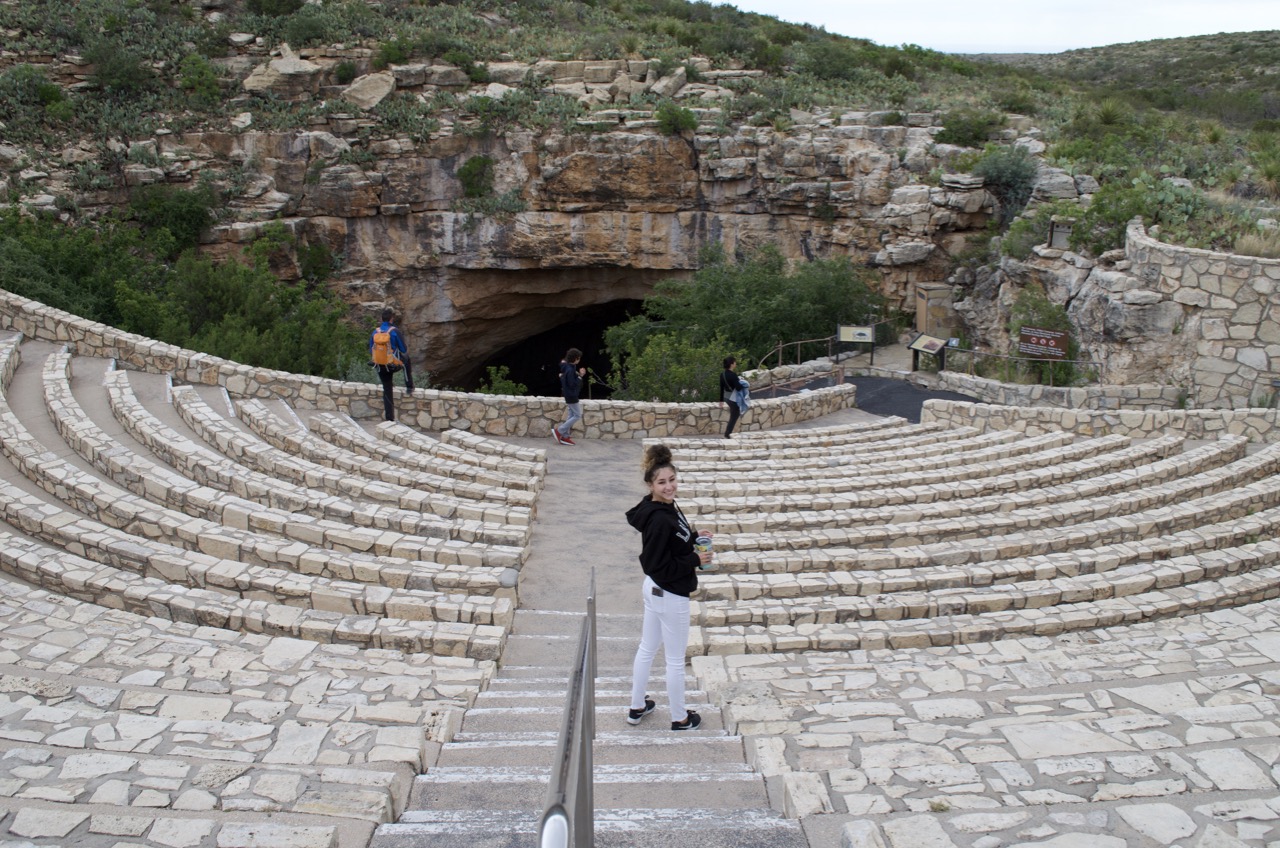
388 354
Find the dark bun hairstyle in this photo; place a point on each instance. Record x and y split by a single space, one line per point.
656 458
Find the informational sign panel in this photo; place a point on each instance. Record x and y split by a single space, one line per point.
1042 344
927 344
850 333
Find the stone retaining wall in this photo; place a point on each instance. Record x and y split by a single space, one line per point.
1149 396
1257 425
428 410
1232 306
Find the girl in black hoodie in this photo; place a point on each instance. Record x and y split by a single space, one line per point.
670 566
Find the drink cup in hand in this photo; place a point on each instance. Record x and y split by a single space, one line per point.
702 545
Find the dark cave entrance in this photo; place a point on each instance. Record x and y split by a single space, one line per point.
535 361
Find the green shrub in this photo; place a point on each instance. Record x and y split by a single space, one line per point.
344 73
197 77
749 305
476 176
672 368
183 214
119 69
968 127
673 119
273 8
307 27
404 114
1008 173
498 381
475 72
394 52
1032 308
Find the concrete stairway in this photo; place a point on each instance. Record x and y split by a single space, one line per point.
652 786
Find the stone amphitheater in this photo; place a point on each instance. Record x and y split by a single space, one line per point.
237 621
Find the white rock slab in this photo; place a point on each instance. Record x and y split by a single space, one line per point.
1160 698
1230 768
1059 739
917 832
1164 823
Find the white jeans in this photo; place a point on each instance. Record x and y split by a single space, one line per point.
572 416
666 624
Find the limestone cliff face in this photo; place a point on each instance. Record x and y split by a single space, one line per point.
605 216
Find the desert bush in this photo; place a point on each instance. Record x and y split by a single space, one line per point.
968 127
1008 173
1032 308
197 77
344 72
394 52
476 176
1264 243
183 214
746 306
670 367
497 381
273 8
404 114
674 119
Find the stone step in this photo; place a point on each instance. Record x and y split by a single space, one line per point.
645 786
614 697
647 743
614 828
558 651
504 719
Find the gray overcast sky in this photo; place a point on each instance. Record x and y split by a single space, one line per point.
1021 26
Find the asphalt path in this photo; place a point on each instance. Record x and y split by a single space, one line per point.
887 396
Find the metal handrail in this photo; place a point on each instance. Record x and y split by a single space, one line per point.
568 818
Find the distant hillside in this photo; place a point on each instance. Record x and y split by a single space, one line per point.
1234 77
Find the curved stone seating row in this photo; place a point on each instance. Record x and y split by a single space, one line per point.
709 449
344 432
915 569
1114 581
1064 483
93 540
403 566
895 484
252 676
1181 514
1222 478
1227 591
982 447
875 429
83 579
248 450
201 467
150 481
474 442
300 443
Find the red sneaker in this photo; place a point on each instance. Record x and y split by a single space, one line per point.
565 440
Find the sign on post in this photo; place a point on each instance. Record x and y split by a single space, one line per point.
927 344
1042 344
850 333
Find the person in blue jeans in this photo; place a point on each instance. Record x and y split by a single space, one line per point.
387 373
571 374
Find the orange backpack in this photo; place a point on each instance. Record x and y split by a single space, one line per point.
384 354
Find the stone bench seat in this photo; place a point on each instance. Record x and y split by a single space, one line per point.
299 442
917 574
249 450
345 432
1228 591
62 573
709 450
888 427
1116 581
1064 483
1186 514
896 485
984 447
476 443
52 524
139 662
155 487
393 560
201 467
846 533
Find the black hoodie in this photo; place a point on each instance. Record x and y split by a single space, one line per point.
666 545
